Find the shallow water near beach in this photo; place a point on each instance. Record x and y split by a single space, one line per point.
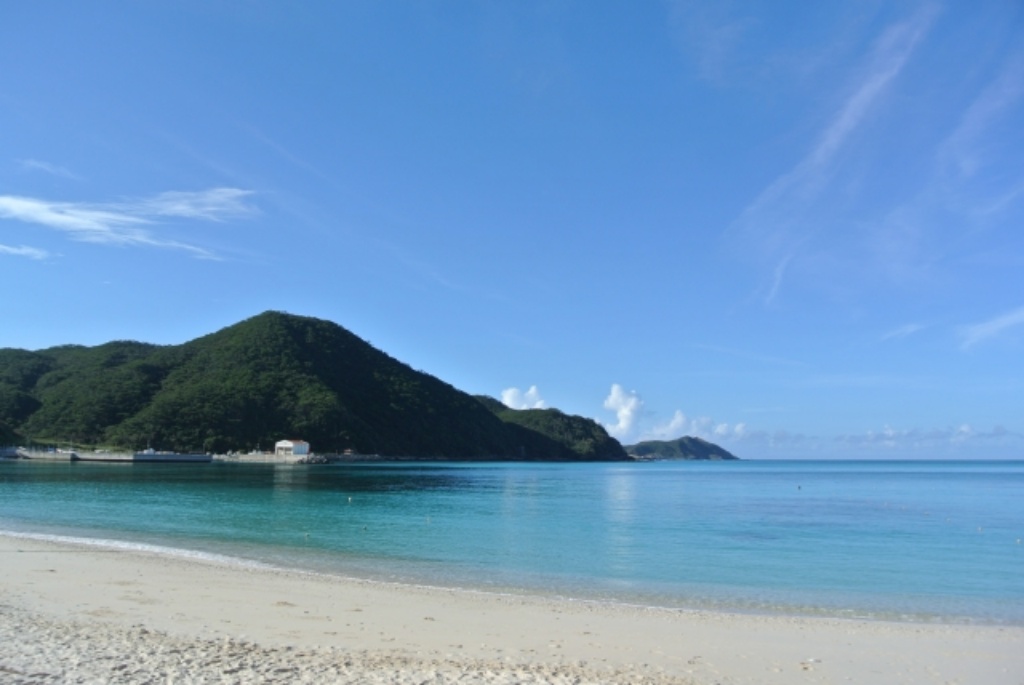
895 540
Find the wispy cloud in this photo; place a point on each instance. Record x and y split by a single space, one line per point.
780 272
980 332
46 167
974 179
216 204
904 331
963 151
781 219
129 223
24 251
888 58
514 398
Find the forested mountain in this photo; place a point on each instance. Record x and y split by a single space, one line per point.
683 448
270 377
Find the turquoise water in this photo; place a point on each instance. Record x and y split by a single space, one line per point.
915 540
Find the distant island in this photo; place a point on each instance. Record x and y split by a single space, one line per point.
683 448
273 376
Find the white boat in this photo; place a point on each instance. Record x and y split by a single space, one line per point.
46 454
146 456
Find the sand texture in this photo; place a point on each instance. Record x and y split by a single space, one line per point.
74 614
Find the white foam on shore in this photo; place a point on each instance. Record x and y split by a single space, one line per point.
211 558
143 548
695 607
195 556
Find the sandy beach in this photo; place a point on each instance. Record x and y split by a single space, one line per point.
88 615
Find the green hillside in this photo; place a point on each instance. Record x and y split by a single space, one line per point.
683 448
575 434
270 377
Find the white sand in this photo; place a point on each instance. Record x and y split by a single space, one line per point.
85 615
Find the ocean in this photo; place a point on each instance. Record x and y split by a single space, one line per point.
893 540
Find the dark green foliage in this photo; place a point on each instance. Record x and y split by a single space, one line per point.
574 435
88 389
683 448
21 369
495 406
7 436
270 377
16 405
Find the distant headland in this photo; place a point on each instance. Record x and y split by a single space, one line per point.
690 448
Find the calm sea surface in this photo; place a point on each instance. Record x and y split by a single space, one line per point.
917 540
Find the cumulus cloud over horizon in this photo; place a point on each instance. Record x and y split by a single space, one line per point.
634 424
631 422
701 427
514 398
627 407
917 438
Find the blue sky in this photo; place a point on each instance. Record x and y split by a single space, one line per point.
792 228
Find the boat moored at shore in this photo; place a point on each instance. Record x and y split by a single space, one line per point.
45 454
145 456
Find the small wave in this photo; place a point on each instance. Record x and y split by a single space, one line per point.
144 548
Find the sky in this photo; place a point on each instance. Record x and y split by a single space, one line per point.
795 229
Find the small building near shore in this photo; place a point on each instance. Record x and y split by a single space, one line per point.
291 448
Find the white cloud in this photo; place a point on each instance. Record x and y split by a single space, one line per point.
514 398
700 427
46 167
24 251
627 407
670 430
212 205
83 221
974 334
128 223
